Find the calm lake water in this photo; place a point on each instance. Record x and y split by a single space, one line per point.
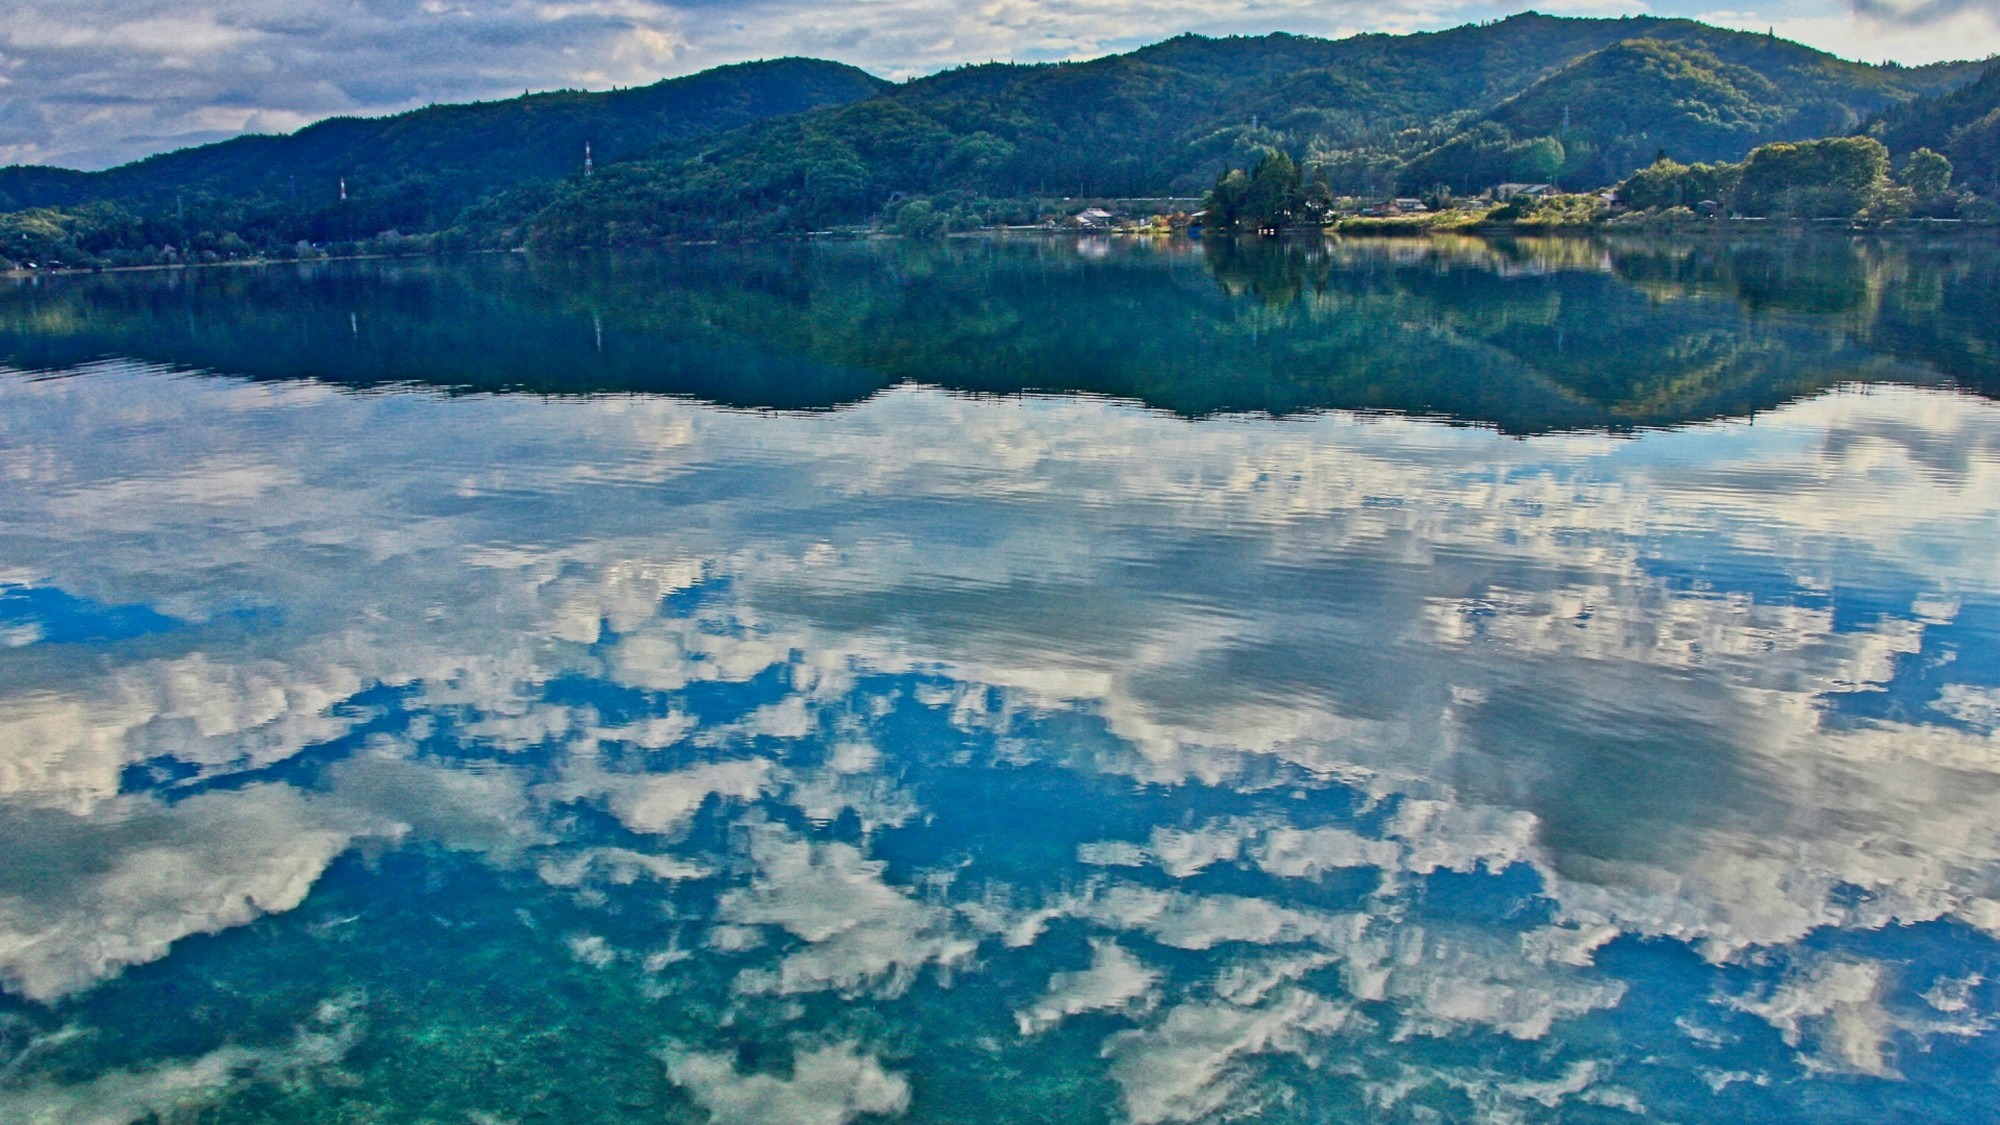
1363 681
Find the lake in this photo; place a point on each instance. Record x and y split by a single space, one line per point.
1013 680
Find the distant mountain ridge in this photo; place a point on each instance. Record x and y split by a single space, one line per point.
457 153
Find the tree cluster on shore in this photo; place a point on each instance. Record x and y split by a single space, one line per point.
1836 178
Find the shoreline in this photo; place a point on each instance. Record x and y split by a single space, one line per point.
238 263
1698 230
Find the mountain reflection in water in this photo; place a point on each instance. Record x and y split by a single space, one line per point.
1529 335
952 757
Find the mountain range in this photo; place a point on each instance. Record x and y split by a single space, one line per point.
419 170
797 144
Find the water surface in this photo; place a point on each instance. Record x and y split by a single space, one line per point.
1030 682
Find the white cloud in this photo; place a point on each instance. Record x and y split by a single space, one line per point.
1877 31
1308 852
1188 921
861 933
117 79
119 885
1115 981
660 803
830 1085
615 866
1443 979
170 1091
1837 1003
120 890
1190 1066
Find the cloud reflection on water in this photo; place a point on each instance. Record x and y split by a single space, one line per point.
1613 663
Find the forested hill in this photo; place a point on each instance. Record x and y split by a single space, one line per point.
1464 108
1963 124
434 161
1695 93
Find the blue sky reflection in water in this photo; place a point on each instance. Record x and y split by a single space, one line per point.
403 756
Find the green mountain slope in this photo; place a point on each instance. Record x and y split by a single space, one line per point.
1697 93
1467 108
1164 119
1963 124
418 169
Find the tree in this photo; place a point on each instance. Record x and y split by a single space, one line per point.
1319 201
1226 201
1277 191
1928 174
1835 178
1537 161
1274 194
1669 183
919 219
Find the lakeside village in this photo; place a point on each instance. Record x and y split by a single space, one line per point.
1190 215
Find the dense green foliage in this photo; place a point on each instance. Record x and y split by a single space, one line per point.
1273 195
1927 173
1834 178
1669 183
1695 97
1962 125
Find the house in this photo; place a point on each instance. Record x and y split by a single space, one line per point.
1094 218
1501 193
1391 208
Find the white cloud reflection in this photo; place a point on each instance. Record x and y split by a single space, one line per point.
830 1085
102 894
175 1090
1317 637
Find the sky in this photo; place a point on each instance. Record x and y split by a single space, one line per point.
91 83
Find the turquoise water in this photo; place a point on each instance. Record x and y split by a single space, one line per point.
1024 682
